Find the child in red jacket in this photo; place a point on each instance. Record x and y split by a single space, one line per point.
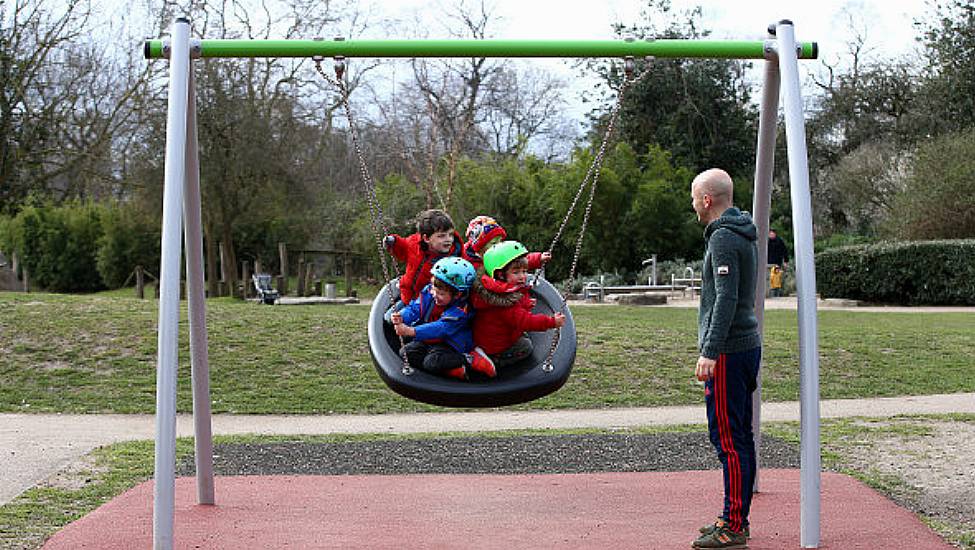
434 239
503 305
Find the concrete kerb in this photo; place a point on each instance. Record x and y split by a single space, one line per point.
35 446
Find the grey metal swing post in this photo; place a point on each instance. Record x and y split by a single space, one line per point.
181 216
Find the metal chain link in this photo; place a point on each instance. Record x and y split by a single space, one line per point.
379 228
591 179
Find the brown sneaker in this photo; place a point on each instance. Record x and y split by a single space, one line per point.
721 537
721 523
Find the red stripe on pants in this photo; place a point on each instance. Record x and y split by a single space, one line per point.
727 444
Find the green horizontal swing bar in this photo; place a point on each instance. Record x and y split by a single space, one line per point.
715 49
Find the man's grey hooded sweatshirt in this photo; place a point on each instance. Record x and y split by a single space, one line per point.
726 318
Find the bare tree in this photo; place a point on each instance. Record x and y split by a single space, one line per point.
863 126
265 126
866 183
457 108
63 101
451 92
522 105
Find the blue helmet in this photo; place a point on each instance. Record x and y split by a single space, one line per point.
456 272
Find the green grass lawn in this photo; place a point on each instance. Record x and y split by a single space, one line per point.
97 353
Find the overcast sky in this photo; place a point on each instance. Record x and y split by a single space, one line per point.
887 25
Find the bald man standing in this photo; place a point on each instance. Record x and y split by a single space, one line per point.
730 349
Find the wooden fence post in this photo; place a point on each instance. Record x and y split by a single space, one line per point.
347 267
140 283
283 278
309 273
222 288
300 291
245 287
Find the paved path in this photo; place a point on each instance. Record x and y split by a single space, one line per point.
35 446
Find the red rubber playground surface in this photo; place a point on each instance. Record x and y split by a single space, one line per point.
602 510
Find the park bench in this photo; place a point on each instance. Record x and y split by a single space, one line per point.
597 291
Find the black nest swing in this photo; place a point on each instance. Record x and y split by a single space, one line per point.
518 383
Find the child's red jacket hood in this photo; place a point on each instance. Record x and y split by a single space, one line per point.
503 314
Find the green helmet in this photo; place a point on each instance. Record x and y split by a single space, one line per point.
502 254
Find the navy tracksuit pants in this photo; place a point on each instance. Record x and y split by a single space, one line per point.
728 395
435 358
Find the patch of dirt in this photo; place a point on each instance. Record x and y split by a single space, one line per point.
76 474
937 469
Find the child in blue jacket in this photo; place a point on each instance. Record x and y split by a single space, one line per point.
438 320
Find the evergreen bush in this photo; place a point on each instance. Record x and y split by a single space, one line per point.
58 244
907 273
129 238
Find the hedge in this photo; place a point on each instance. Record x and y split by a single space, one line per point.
58 246
906 273
129 238
81 246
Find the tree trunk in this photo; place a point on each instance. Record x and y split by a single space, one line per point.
283 253
245 286
211 259
231 268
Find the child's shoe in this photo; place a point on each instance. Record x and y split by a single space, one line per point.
459 372
482 363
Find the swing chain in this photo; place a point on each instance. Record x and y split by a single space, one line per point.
592 177
379 228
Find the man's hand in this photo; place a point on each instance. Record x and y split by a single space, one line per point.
705 368
404 330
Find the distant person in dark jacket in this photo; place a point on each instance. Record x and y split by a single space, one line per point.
778 254
730 349
778 259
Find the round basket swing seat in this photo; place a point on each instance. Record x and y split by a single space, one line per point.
518 383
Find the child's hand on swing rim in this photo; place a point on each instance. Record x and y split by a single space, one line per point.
559 320
404 330
396 318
